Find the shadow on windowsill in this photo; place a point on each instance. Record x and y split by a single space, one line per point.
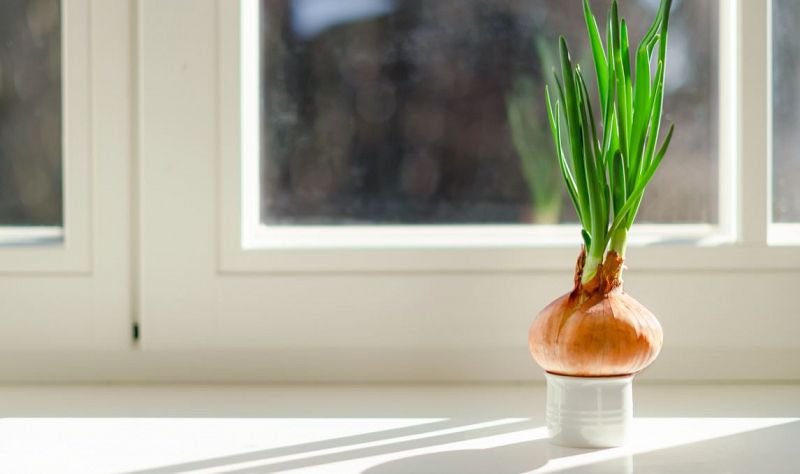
760 450
465 430
767 449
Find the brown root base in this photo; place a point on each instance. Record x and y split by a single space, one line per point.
608 277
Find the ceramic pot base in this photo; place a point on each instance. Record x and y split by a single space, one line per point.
589 412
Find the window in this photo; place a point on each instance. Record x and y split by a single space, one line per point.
312 189
415 112
233 225
786 112
30 119
44 137
65 116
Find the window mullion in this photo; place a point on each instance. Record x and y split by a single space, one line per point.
754 93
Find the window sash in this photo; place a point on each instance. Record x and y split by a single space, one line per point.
246 245
75 294
66 249
387 313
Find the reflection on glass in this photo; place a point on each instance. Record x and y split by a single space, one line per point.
785 107
432 112
30 113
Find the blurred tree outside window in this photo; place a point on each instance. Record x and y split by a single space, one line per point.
30 113
786 111
432 112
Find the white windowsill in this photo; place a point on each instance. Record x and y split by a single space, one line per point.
384 429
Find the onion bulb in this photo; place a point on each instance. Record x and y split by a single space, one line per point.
596 329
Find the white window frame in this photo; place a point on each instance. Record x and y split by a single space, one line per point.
437 304
64 249
778 234
69 290
248 246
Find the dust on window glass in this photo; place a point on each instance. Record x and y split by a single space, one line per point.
30 113
432 112
785 106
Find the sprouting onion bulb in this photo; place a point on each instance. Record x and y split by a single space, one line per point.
606 161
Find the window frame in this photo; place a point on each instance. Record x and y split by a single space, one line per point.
71 290
779 234
161 201
445 312
65 249
246 246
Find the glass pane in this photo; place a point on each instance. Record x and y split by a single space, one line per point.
785 105
30 113
395 111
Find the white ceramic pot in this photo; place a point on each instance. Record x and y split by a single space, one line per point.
589 412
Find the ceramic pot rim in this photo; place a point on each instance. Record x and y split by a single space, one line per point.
573 380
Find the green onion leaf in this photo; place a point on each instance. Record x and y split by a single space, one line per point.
600 62
607 165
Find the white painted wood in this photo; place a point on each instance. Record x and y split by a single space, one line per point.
72 252
777 233
728 85
153 125
33 235
473 326
178 152
113 134
484 249
754 97
424 362
782 234
417 311
75 296
247 246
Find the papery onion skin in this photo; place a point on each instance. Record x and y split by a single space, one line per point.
596 330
